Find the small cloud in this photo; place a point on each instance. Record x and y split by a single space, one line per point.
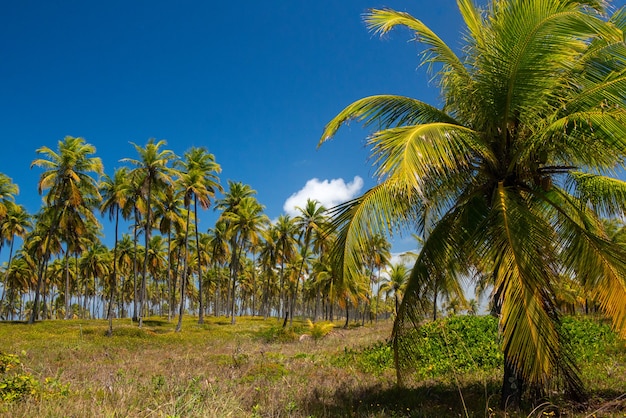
328 192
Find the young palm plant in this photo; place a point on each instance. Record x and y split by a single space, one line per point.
509 178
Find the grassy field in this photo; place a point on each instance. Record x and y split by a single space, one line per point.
257 369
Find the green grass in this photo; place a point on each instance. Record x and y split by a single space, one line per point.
257 369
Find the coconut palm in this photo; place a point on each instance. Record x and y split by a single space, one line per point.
245 223
153 172
168 211
16 223
287 244
114 197
509 176
377 252
199 182
396 283
72 191
217 246
310 223
8 190
229 204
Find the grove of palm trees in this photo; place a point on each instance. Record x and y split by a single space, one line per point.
512 186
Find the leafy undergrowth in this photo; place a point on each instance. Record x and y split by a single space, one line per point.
257 368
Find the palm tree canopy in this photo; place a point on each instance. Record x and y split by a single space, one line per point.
68 171
511 175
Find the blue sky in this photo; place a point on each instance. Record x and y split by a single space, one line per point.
253 81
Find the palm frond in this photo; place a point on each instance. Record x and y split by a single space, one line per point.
412 153
607 195
376 212
602 270
386 111
382 21
518 241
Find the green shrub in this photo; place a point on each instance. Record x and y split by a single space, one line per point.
455 344
16 385
278 334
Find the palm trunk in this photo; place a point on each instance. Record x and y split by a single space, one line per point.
170 285
67 283
235 271
183 280
114 278
147 230
6 278
35 311
200 299
512 388
135 239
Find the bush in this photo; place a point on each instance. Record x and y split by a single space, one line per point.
278 334
16 385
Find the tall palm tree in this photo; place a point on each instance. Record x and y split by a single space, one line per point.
513 171
245 223
72 190
268 259
114 198
199 182
125 261
154 172
16 223
217 247
396 283
229 204
377 252
8 190
286 242
311 223
169 213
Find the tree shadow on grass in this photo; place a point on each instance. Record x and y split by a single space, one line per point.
437 400
447 400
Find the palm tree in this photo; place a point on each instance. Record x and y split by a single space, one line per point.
396 283
245 223
16 223
72 191
311 223
154 173
377 252
21 276
512 173
169 213
114 198
125 261
230 203
199 182
217 246
8 190
287 244
268 259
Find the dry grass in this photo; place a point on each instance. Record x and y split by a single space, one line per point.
211 370
221 370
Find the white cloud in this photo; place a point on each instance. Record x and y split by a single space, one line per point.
328 192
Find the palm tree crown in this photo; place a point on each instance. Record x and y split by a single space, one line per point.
511 175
